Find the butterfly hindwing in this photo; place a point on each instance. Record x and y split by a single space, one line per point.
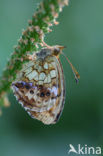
39 87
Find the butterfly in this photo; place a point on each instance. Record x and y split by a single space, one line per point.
39 86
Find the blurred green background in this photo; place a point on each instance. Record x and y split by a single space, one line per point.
81 31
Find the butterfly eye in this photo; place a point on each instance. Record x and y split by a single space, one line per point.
56 51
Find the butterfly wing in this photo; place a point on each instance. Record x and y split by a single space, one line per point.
39 87
52 115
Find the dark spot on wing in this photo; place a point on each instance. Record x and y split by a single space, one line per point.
54 97
22 84
31 92
40 87
18 84
27 86
42 94
48 93
22 91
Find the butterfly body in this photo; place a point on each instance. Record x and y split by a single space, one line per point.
39 86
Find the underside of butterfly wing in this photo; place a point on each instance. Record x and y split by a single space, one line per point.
39 88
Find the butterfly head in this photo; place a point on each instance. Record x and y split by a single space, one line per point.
54 50
57 50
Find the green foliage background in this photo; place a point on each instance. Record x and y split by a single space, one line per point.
81 31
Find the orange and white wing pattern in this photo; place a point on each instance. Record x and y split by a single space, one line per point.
39 87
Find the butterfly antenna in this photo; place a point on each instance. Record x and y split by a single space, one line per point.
76 74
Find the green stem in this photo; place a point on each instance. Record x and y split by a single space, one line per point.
31 39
